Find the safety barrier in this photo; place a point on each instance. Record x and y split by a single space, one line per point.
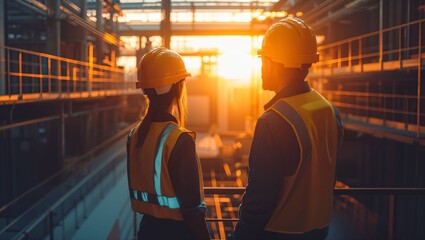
32 76
388 49
393 102
392 205
56 223
60 212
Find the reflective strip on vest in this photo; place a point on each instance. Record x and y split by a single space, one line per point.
158 158
297 123
170 202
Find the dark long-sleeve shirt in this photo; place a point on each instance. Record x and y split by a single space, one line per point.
183 171
274 154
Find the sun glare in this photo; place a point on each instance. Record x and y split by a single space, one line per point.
235 61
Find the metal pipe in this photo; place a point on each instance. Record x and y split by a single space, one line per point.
319 48
20 75
32 5
8 75
337 191
24 123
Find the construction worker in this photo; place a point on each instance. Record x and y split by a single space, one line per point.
164 172
295 145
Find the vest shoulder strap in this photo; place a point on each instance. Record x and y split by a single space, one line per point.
295 120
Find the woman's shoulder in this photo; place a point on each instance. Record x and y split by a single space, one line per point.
186 132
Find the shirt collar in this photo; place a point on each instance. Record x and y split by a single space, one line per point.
292 90
163 117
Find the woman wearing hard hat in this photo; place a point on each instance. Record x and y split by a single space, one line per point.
164 172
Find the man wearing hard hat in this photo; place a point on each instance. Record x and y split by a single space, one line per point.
296 141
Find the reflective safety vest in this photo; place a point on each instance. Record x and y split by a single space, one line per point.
151 189
306 197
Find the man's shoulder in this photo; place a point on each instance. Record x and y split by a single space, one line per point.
273 120
268 115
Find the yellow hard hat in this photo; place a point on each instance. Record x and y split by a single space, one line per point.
290 42
160 68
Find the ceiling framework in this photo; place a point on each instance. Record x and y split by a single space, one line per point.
316 13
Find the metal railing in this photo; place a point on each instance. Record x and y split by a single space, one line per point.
395 103
76 197
392 195
30 75
384 48
76 201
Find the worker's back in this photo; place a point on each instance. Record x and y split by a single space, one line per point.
306 200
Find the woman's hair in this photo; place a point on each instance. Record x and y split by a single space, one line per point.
175 99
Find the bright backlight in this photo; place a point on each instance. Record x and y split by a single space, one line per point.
235 61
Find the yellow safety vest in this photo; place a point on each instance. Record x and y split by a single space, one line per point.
151 190
306 197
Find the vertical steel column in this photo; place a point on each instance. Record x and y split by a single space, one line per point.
111 22
400 57
418 117
349 55
139 51
192 6
2 50
406 35
53 28
99 26
391 216
112 49
166 23
83 15
61 143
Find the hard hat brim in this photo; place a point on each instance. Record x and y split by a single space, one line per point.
154 83
290 59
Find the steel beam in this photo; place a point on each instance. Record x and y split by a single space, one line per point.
206 5
316 23
2 55
53 28
76 19
166 23
380 132
99 26
83 15
32 7
195 29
